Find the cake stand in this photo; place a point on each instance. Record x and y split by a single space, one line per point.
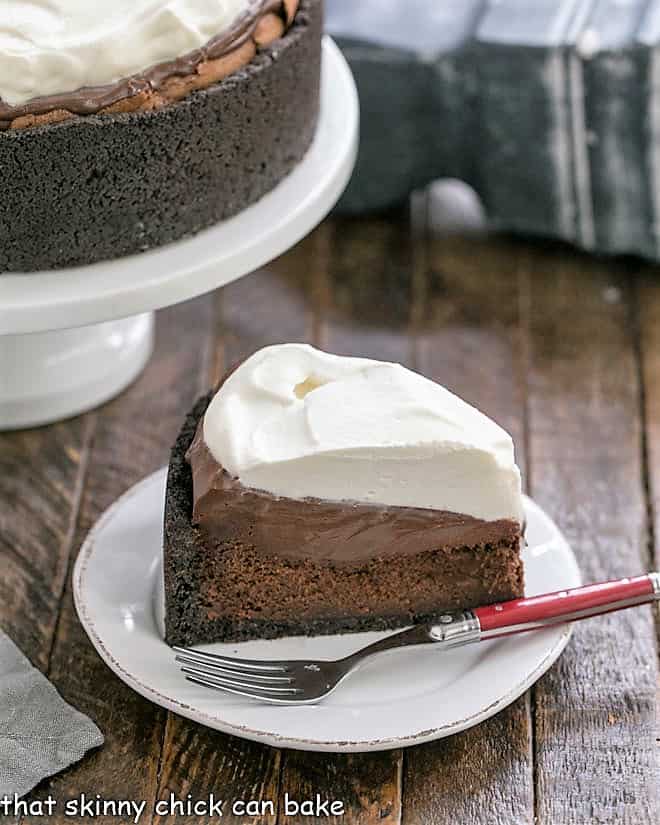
73 338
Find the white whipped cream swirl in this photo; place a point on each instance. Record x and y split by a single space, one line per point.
49 47
298 422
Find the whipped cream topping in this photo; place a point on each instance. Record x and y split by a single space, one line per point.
49 47
297 422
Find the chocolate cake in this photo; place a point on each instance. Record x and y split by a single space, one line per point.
198 133
268 547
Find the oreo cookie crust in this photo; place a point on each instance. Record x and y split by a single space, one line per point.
102 186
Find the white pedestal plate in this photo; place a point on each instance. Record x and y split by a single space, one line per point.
73 338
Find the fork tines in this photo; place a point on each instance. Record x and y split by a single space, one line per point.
270 681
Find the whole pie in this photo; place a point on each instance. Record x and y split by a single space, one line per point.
127 124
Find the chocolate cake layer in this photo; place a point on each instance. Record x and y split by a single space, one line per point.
345 533
235 582
102 186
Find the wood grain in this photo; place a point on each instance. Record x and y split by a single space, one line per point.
41 477
132 437
367 785
472 342
595 710
647 320
201 764
647 317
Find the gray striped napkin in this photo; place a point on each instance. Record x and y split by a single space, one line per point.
40 734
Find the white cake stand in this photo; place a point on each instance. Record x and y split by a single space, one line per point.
62 349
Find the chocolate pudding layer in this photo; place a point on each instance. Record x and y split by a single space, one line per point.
345 533
167 160
242 564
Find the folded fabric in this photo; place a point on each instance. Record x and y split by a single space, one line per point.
40 734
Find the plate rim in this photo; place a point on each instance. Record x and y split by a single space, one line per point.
268 737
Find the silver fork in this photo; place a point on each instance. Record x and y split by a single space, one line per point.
304 681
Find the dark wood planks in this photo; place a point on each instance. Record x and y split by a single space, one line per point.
271 306
647 295
471 341
647 318
595 710
449 309
202 764
132 437
367 784
41 476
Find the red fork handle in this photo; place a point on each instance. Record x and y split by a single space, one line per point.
520 615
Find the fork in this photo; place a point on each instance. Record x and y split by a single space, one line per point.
305 681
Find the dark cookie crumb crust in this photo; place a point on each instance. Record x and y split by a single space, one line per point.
191 619
99 187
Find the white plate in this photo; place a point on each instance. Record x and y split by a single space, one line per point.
77 296
397 700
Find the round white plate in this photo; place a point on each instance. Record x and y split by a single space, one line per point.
393 701
40 301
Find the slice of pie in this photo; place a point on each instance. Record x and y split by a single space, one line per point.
322 494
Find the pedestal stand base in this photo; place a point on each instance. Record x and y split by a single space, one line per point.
47 376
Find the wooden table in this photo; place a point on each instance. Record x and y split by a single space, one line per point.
560 348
